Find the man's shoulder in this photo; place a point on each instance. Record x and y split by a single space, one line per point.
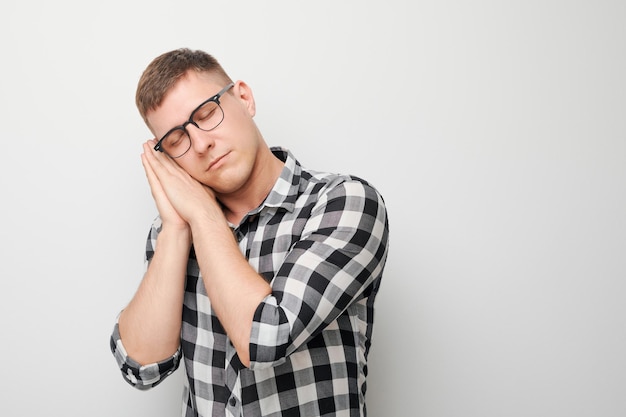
333 180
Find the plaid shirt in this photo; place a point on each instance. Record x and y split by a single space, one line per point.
321 241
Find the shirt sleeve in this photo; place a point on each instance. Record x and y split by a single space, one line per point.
341 253
142 377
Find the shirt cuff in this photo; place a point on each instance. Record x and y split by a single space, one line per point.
270 336
142 377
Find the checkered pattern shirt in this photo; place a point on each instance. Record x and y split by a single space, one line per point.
321 241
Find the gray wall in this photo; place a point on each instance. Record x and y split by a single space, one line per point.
496 131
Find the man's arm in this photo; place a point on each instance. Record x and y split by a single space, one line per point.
340 256
234 288
336 265
150 325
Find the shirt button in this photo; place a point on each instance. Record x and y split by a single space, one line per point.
232 401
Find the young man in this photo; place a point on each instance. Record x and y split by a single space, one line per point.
261 274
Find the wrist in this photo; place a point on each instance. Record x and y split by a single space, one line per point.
179 233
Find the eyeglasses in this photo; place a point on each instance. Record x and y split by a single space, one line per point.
207 116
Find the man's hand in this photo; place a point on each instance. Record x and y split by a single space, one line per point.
178 196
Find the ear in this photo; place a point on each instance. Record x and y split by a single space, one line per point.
243 92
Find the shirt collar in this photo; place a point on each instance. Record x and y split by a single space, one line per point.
285 190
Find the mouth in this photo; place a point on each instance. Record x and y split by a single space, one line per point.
216 161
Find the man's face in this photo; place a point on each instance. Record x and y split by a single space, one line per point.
223 158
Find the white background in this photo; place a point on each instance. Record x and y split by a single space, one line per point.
495 130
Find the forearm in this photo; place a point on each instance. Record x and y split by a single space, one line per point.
233 286
150 325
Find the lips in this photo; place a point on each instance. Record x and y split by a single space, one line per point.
216 161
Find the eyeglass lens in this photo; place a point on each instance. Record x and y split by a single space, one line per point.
206 117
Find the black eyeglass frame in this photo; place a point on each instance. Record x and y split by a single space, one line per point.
183 127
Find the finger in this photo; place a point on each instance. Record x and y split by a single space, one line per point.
160 162
153 180
153 159
165 177
164 205
153 167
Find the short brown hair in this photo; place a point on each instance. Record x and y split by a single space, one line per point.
166 69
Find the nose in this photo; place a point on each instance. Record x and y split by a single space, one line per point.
201 140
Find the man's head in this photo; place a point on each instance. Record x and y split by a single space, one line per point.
224 148
165 70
